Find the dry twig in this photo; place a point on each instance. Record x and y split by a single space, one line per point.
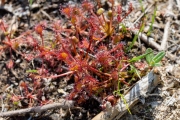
178 3
143 14
39 109
147 40
46 14
167 26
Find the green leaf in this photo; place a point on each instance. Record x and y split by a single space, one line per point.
32 71
150 56
158 57
152 22
30 2
16 103
134 59
123 28
156 64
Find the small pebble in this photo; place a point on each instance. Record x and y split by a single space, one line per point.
43 98
54 83
62 91
18 61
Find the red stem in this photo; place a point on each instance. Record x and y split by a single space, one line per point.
97 71
61 75
42 40
124 67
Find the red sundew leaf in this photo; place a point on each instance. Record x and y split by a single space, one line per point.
87 5
29 57
115 75
119 18
10 64
57 25
76 79
89 78
72 95
119 9
37 83
76 11
23 84
130 7
84 44
102 47
95 23
42 71
78 86
104 58
39 29
117 38
96 38
63 55
31 41
15 45
81 99
75 67
73 20
112 100
67 11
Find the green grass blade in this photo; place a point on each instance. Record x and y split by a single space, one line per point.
30 2
134 59
122 97
135 71
141 29
157 64
32 71
142 7
123 28
158 57
135 38
152 22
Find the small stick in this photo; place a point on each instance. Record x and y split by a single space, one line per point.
149 41
45 13
65 104
178 3
143 14
167 26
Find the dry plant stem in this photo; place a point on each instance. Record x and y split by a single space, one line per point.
46 14
167 26
39 109
138 14
147 40
138 92
155 25
143 14
178 4
13 22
